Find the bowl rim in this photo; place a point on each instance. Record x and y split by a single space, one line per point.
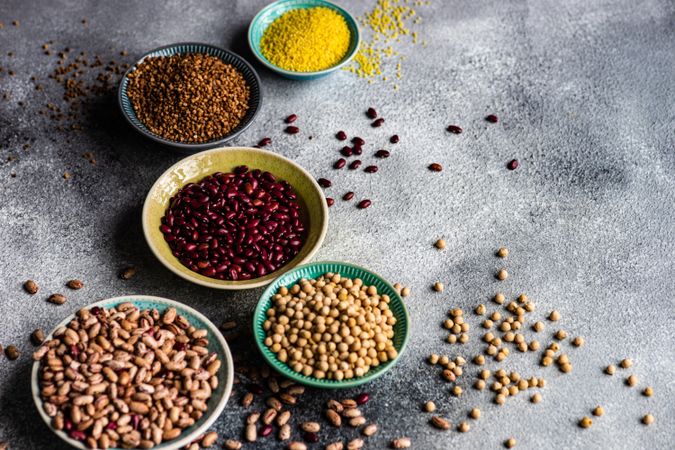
122 92
233 286
315 382
348 58
182 440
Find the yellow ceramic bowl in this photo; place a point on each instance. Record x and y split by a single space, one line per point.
313 207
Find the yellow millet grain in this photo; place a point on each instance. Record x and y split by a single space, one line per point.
306 40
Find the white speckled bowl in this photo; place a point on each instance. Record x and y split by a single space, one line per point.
216 344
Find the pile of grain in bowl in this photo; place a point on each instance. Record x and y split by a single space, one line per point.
124 377
189 98
306 40
331 327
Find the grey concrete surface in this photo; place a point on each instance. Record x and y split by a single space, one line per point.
585 92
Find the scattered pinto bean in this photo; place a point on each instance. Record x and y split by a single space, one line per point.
435 167
402 442
363 204
382 154
291 129
455 129
209 439
371 169
355 164
232 444
324 182
292 118
341 135
38 336
31 287
127 273
75 284
377 123
57 299
12 352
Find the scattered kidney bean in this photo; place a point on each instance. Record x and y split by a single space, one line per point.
311 437
265 430
324 182
382 154
394 139
362 398
355 164
358 141
340 163
377 123
371 113
292 118
513 164
341 135
357 149
265 141
435 167
363 204
329 201
348 196
492 118
370 169
234 226
346 151
455 129
292 129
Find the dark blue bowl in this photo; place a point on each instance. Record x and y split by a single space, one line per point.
228 57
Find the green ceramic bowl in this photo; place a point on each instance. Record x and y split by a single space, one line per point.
217 344
271 12
313 207
314 270
228 57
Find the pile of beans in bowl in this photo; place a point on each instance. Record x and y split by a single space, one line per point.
235 226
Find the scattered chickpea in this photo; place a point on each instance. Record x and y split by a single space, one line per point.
475 413
463 427
503 252
397 287
499 299
566 368
480 309
585 422
457 391
626 363
648 419
495 316
534 345
430 406
479 385
609 370
438 286
440 244
405 292
554 316
536 398
546 361
632 380
484 374
538 326
560 335
433 359
578 341
463 338
479 360
599 411
522 298
451 339
648 391
510 443
500 399
487 324
502 275
443 360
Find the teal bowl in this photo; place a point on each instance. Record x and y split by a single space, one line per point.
228 57
271 12
314 270
217 344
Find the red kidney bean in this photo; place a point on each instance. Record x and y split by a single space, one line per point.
265 430
346 151
292 129
363 204
377 123
228 226
324 182
265 141
371 113
341 135
348 196
513 164
340 163
77 435
311 437
362 398
492 118
370 169
292 118
357 149
330 201
358 141
435 167
355 164
455 129
382 154
394 139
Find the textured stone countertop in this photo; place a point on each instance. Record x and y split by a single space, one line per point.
585 95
